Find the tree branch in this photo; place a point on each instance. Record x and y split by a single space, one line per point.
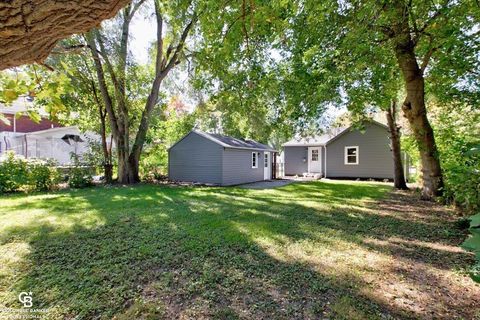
102 84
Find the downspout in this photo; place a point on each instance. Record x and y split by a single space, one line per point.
325 147
14 122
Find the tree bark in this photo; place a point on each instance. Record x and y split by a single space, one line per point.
399 176
30 29
415 111
107 157
414 105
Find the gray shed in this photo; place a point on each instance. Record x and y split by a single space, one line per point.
217 159
343 153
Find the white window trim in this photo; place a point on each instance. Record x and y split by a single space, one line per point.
346 155
256 160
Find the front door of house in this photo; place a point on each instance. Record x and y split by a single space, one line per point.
314 160
266 166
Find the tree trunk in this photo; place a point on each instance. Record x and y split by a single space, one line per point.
399 177
107 157
125 171
107 163
415 111
414 105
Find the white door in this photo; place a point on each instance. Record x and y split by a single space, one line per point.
266 166
314 160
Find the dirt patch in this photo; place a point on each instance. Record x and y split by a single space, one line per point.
426 270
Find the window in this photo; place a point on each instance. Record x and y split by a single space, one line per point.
254 160
351 155
315 155
265 162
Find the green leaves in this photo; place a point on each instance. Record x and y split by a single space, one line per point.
472 243
12 86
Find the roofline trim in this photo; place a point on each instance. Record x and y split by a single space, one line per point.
286 144
350 127
207 136
347 129
51 130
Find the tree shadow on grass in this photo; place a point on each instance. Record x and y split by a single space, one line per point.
208 252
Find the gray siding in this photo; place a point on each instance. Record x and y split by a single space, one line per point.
195 159
375 157
293 158
237 167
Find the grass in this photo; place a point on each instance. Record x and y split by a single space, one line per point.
340 250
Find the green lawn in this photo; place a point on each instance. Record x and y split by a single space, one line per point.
341 250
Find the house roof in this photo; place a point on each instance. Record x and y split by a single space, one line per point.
324 139
22 105
315 140
230 142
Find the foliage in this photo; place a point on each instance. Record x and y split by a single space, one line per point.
80 175
42 175
18 173
461 164
307 250
472 243
94 157
13 173
46 87
167 128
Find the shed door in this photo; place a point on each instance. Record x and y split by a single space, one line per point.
314 160
266 166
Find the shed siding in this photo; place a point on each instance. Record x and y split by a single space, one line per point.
195 159
237 167
375 156
293 158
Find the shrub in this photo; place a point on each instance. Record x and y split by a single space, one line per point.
18 173
80 175
473 244
462 177
42 175
13 173
154 163
80 178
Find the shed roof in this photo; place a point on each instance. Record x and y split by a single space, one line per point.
231 142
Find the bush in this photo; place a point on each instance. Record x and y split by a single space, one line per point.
473 244
80 175
42 175
18 173
154 163
80 178
13 173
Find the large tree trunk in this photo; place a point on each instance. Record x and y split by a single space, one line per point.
415 111
414 105
29 29
126 174
399 177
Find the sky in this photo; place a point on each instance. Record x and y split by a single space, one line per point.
143 31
